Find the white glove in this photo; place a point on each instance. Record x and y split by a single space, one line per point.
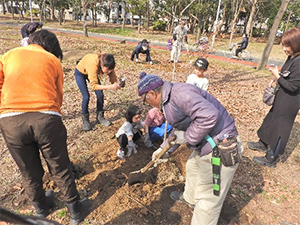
147 141
179 137
131 147
162 159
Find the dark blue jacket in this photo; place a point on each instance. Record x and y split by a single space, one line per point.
139 50
244 43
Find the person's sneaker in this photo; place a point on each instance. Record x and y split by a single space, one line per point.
178 197
258 146
234 57
264 161
121 154
103 121
171 61
151 63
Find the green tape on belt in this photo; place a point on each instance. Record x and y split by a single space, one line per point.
216 187
216 161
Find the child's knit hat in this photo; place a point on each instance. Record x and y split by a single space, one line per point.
148 82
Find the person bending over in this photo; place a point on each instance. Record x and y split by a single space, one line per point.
89 68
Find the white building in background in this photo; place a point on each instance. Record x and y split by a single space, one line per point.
115 16
15 5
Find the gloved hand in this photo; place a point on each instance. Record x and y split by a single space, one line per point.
179 137
162 159
147 141
131 147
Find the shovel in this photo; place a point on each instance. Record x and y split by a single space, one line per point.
142 174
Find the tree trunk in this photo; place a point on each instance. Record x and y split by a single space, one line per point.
251 30
79 15
180 14
251 17
84 8
269 45
4 7
12 9
52 16
199 30
60 16
236 10
22 10
288 21
147 15
172 18
93 15
222 20
124 15
41 10
193 25
139 24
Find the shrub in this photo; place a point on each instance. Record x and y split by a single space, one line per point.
256 32
35 12
159 25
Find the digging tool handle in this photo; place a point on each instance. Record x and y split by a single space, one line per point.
162 152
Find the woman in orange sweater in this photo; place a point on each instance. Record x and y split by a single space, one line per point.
88 69
31 94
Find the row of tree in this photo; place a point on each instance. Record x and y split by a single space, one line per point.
215 16
200 14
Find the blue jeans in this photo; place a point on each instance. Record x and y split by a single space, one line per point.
81 83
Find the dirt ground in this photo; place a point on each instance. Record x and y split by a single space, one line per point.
257 195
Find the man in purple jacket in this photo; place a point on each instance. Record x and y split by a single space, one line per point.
194 114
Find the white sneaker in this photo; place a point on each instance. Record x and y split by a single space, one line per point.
136 60
121 154
151 63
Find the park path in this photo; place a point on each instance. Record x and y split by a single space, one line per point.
157 45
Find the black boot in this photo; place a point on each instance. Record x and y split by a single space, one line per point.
268 160
79 210
86 125
258 146
42 208
100 119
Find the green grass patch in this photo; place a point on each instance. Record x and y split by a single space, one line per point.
62 213
114 31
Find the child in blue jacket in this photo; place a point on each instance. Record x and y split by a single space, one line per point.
142 47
